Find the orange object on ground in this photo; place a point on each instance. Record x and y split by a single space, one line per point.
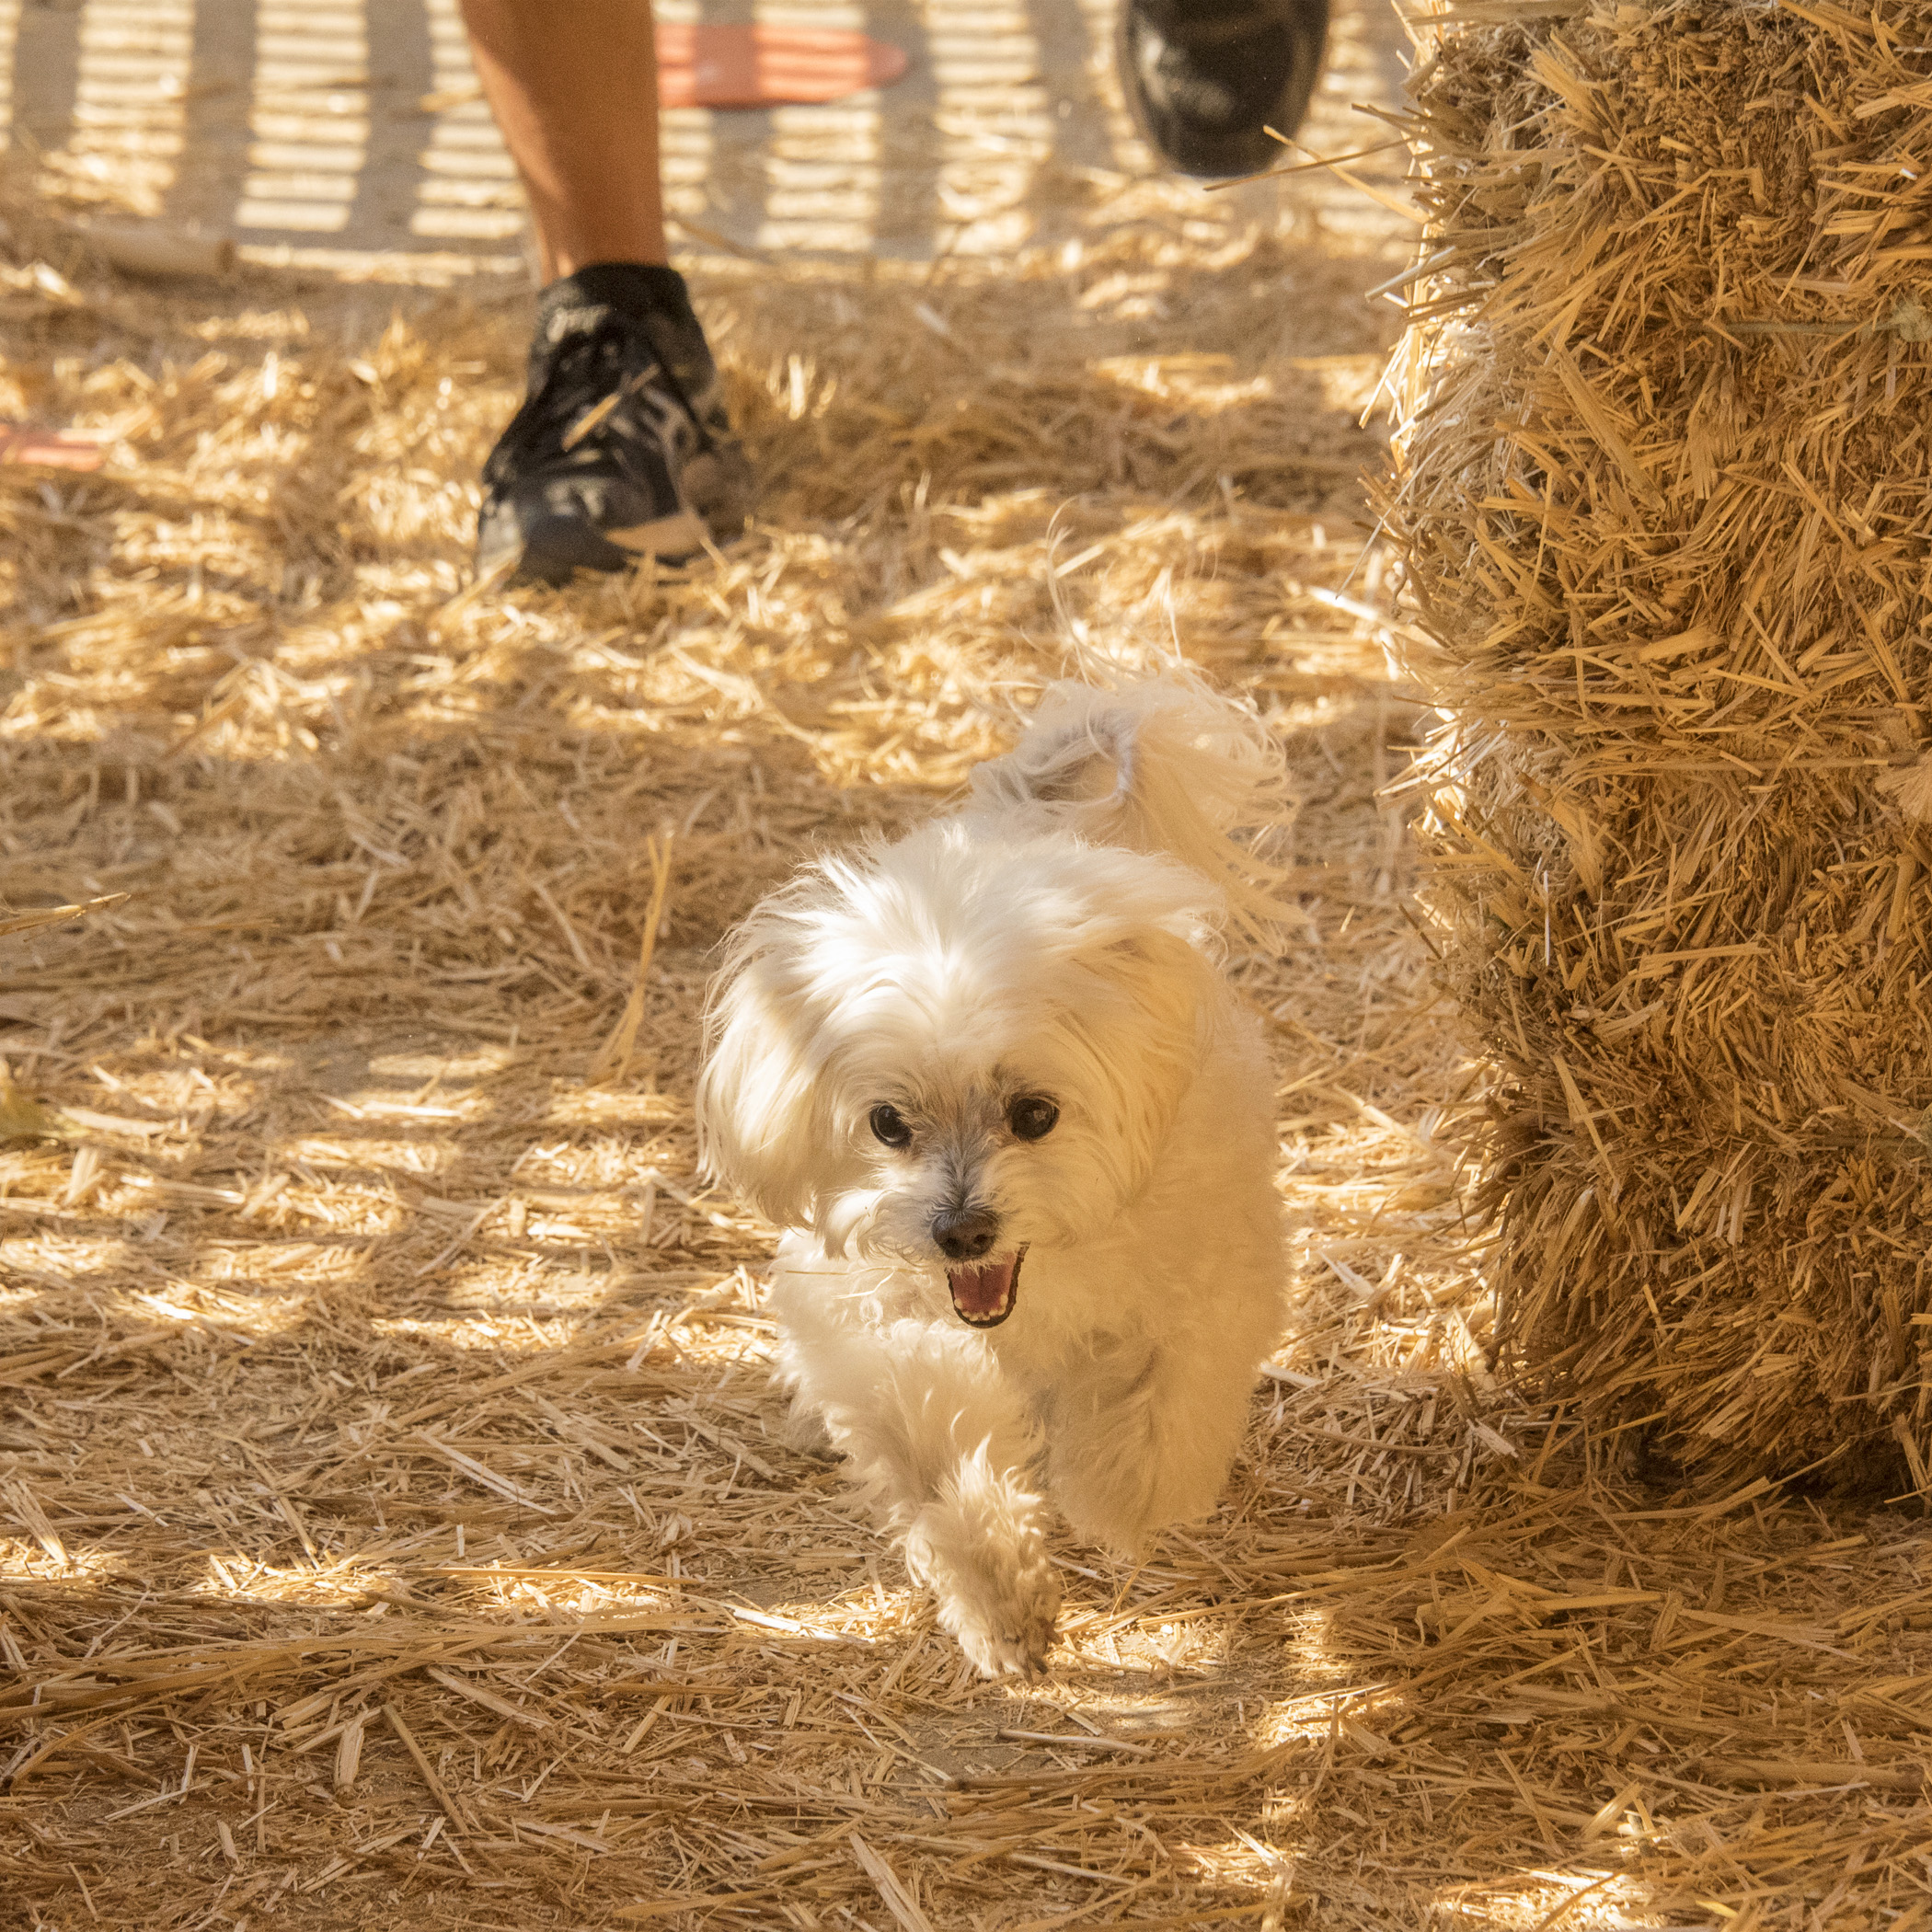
768 66
48 448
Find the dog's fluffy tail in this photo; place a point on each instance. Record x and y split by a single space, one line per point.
1166 767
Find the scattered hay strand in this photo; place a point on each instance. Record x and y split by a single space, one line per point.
27 922
612 1061
898 1901
1663 486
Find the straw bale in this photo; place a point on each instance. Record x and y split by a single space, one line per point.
1664 489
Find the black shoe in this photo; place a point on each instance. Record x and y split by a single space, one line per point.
1206 78
622 449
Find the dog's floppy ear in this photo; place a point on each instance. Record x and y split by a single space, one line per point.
1133 1025
760 1123
1171 986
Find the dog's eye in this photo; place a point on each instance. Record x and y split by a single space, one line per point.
1032 1118
889 1125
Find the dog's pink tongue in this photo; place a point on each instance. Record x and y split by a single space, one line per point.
982 1291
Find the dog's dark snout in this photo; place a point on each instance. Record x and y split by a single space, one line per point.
964 1234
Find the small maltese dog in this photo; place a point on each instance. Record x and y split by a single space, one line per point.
1021 1132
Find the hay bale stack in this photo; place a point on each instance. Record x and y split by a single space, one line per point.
1663 482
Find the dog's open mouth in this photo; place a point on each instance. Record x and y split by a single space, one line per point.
984 1296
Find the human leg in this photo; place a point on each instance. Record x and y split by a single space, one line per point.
622 448
575 94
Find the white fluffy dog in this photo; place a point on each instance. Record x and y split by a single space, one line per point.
994 1081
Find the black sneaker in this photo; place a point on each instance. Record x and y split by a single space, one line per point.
622 449
1206 78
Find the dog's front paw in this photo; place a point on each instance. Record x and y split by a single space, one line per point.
804 1430
984 1559
1011 1635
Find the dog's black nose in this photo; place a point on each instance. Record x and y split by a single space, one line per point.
964 1234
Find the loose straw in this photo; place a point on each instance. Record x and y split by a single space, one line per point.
612 1061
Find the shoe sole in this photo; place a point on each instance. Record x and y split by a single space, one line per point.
556 550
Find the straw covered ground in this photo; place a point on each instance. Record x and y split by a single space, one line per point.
393 1525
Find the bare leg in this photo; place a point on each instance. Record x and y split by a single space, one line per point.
574 89
623 448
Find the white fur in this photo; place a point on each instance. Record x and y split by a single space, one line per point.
1057 938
